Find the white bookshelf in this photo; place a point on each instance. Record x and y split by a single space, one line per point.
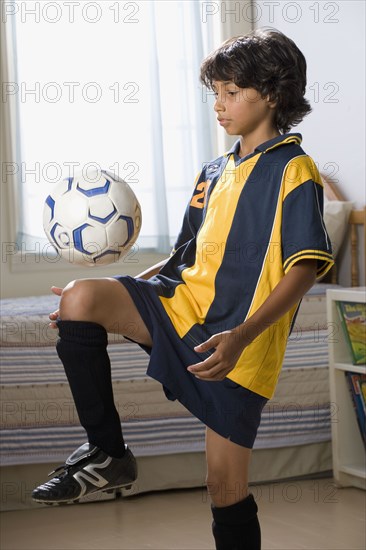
349 457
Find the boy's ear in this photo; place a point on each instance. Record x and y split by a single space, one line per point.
272 103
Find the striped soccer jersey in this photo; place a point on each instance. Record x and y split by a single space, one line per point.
248 222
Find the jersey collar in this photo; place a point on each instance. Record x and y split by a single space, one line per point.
270 144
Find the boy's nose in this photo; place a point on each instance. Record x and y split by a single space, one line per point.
219 105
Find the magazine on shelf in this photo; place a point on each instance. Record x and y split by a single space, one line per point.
353 320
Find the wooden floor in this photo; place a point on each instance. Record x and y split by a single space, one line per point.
311 514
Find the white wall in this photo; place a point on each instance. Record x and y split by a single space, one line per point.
331 35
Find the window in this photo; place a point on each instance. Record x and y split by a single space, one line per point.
113 85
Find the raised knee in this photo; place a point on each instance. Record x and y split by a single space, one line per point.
78 300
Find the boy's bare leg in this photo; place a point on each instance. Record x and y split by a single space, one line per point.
227 469
104 301
235 523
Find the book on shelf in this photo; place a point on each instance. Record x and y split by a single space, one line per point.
363 395
357 385
353 321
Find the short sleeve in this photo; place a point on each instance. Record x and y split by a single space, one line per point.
304 235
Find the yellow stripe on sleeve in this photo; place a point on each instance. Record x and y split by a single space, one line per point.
326 260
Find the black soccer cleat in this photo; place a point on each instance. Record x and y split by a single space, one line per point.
87 470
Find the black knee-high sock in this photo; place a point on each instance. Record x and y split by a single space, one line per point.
236 527
82 348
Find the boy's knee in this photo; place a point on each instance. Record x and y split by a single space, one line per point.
225 489
78 300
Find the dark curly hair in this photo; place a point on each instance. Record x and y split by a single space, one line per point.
269 62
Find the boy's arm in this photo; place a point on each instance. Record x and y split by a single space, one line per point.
230 344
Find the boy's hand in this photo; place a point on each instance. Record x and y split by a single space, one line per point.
228 348
229 345
53 316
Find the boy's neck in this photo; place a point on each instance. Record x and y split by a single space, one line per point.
250 142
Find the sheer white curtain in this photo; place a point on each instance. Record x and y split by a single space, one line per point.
114 86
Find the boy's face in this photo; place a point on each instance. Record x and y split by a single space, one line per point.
241 110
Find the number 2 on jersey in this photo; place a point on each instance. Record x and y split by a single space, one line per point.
198 199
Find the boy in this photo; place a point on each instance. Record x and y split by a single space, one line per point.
216 315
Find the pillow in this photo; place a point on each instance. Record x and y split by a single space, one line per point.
336 214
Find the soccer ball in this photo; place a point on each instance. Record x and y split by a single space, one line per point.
92 220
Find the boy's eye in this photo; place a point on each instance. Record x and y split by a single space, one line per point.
228 92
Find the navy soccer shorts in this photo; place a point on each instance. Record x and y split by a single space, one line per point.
224 406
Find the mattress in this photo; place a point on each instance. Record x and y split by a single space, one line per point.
39 423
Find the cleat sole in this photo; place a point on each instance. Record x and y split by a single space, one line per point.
116 490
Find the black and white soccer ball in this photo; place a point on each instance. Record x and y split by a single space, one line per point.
92 220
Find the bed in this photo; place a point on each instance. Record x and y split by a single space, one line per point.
39 424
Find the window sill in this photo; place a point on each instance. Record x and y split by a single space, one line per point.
132 264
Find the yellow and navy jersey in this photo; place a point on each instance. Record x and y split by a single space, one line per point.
248 222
